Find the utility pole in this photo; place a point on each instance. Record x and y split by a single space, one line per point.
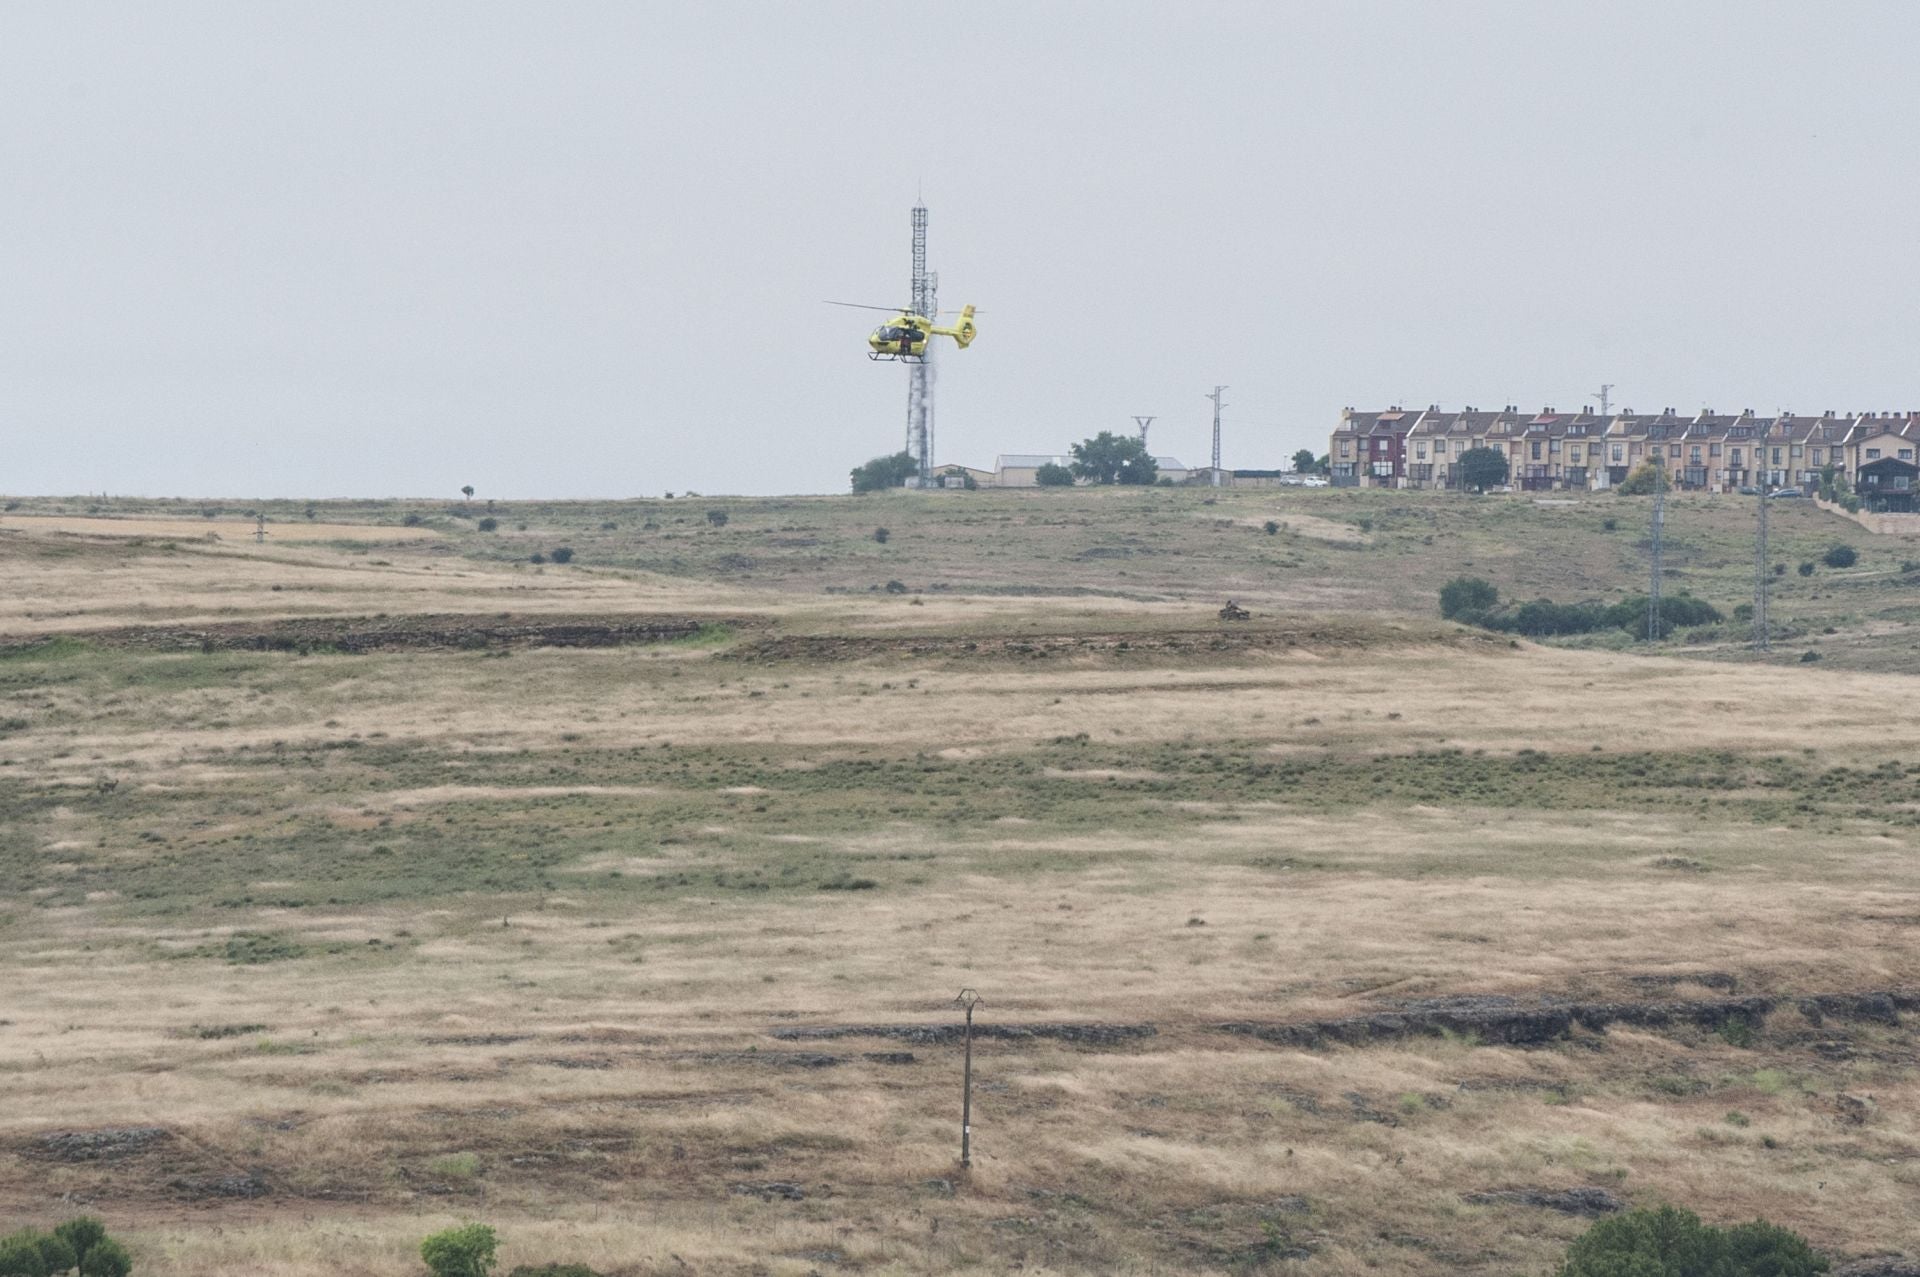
1659 526
260 529
968 999
1217 406
1606 393
1762 573
1143 423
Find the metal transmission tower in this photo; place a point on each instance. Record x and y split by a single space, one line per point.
920 375
1659 526
1606 396
1762 641
1217 406
1143 423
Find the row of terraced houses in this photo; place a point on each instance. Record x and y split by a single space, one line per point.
1707 452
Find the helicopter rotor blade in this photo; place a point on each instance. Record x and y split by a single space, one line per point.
891 310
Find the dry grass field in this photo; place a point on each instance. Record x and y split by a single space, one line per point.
1340 941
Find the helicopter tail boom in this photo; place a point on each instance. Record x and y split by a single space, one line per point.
963 331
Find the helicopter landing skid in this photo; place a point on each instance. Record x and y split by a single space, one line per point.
897 359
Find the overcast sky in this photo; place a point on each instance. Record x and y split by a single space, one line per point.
580 249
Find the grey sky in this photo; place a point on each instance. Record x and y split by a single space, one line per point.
580 249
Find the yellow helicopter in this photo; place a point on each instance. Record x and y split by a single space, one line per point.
906 335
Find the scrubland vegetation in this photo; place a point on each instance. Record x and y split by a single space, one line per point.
1348 939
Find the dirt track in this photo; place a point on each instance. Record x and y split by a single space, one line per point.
380 633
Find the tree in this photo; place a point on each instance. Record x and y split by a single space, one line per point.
1050 475
1304 461
1482 468
467 492
1643 481
1109 458
1840 556
1674 1243
106 1258
1325 464
1466 597
460 1252
885 472
718 518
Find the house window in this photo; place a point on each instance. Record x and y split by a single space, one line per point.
1819 456
1797 450
1736 456
1776 456
1674 451
1439 447
1906 454
1873 454
1573 454
1618 457
1420 451
1553 445
1536 450
1694 457
1713 450
1346 449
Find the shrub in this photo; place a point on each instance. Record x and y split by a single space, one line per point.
1164 481
1674 1243
563 554
56 1252
1467 597
466 1251
1809 657
20 1256
718 518
1743 611
1270 527
1779 569
1806 569
412 520
82 1233
1053 476
896 587
880 535
488 524
536 557
106 1258
1608 525
1840 556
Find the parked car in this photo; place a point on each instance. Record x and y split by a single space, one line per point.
1787 493
1749 491
1314 481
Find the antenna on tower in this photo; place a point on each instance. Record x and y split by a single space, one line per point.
919 375
1217 406
1143 423
1606 397
1762 640
1659 526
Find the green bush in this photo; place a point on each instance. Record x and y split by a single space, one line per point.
1270 528
82 1233
718 518
1840 556
1053 476
106 1258
881 535
1467 597
1674 1243
488 524
466 1251
20 1256
1806 569
563 554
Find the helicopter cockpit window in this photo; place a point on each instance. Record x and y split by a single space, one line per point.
896 334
